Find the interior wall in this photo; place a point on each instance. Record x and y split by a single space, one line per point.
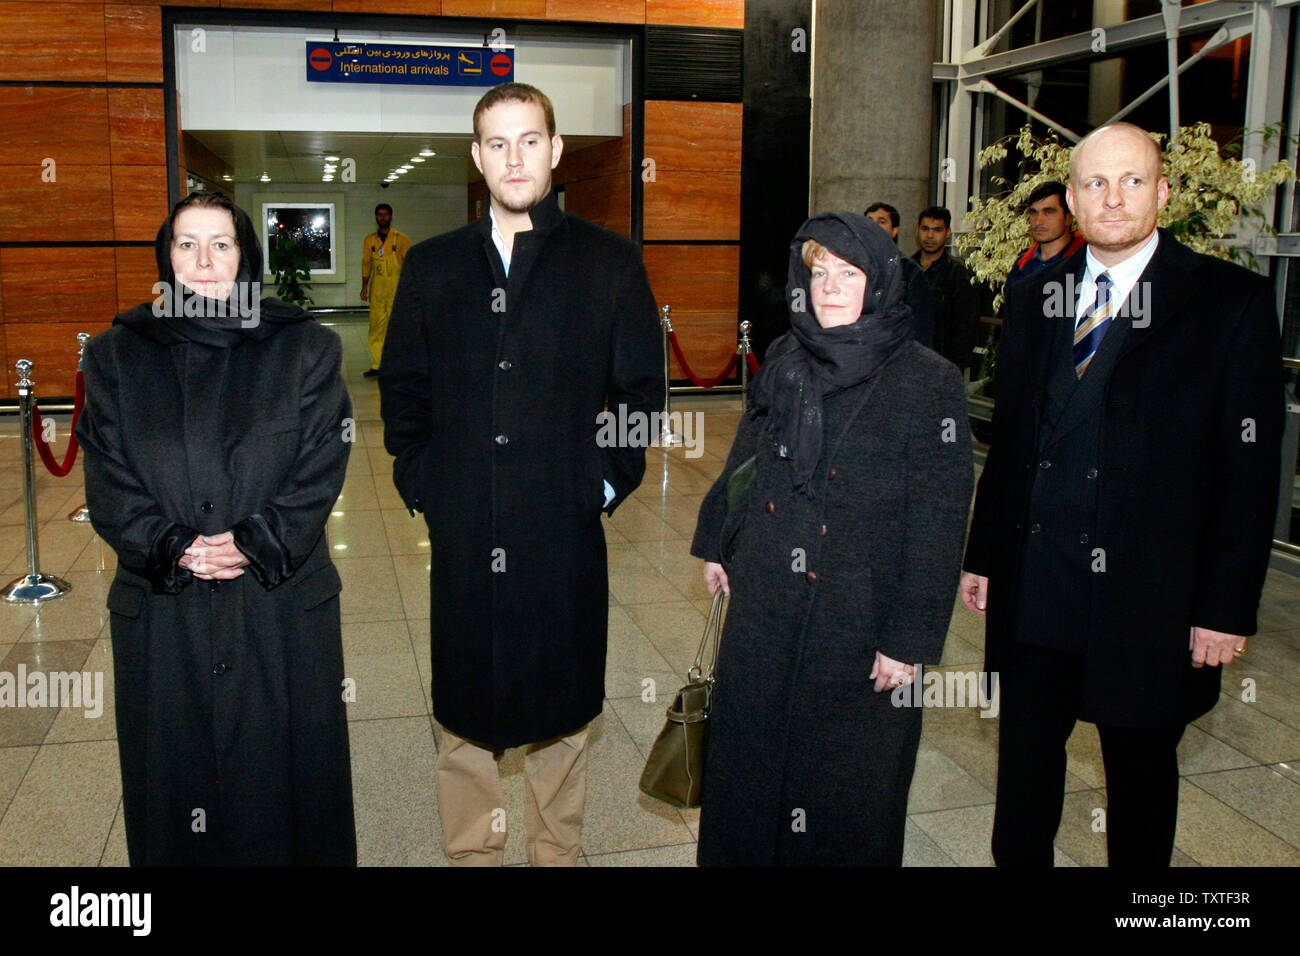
419 211
86 93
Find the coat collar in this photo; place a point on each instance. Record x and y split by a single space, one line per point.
546 215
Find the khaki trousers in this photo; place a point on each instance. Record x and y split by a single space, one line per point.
473 809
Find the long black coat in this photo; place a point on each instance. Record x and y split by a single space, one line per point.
229 694
1186 486
796 723
491 387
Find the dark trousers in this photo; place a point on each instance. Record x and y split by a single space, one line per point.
1040 694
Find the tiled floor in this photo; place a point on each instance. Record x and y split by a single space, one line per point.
60 795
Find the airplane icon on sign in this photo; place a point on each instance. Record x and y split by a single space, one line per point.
472 65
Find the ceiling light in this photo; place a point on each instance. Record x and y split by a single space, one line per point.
331 159
417 159
226 176
265 178
427 152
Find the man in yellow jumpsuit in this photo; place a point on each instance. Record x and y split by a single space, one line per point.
381 264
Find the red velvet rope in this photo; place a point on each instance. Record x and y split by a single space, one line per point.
753 363
54 468
701 383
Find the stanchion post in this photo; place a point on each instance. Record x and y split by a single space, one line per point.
33 587
667 436
743 349
82 514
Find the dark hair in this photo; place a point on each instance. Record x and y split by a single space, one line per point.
383 205
936 212
893 213
514 93
1045 191
250 250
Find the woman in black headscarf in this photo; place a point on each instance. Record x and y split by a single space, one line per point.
216 437
841 558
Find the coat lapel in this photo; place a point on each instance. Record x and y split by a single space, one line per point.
1165 287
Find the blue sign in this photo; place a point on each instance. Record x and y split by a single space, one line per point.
408 63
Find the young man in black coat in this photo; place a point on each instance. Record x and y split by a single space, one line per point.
508 338
1123 520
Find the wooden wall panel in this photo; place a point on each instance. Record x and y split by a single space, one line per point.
603 159
57 285
694 278
133 43
605 200
77 205
139 201
689 205
52 41
278 4
190 3
137 128
427 8
136 272
515 9
66 124
52 349
603 11
693 136
729 14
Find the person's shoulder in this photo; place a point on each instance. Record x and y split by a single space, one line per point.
920 363
588 233
453 240
1219 272
1033 287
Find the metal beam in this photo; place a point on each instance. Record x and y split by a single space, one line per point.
1223 35
984 86
1197 18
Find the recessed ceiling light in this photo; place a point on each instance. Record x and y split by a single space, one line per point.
331 159
417 159
226 176
406 168
265 178
427 152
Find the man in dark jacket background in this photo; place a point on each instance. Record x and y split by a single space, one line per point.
508 337
956 301
918 290
1122 523
1052 225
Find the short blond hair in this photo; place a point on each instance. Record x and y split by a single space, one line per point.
514 93
812 251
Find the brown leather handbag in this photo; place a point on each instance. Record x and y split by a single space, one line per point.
674 772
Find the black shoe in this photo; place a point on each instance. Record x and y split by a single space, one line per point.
370 373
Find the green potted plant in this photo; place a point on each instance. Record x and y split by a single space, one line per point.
292 271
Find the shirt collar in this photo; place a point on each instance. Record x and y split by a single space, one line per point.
1126 273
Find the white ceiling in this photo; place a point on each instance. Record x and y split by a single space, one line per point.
299 156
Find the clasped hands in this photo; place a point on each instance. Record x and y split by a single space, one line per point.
885 671
214 558
1207 646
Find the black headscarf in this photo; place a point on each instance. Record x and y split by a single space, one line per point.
810 361
180 313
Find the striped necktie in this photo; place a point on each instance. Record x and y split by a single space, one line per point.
1092 326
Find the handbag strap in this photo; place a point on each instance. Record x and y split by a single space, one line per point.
713 626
